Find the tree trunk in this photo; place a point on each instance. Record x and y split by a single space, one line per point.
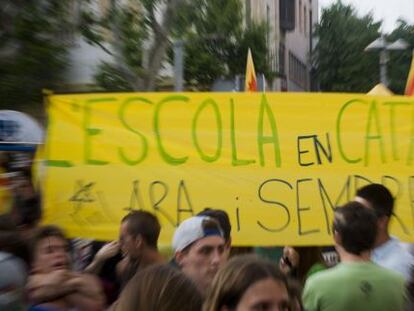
160 43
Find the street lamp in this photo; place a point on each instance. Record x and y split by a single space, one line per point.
381 45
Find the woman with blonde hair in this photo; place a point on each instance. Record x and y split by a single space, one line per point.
161 288
248 283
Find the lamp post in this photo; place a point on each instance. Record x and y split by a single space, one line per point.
178 65
383 47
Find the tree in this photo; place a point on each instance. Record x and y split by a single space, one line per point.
131 27
32 49
340 61
214 41
399 63
216 44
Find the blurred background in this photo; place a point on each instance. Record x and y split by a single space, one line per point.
198 45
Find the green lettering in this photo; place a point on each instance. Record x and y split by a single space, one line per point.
338 131
205 157
144 142
392 127
273 139
166 156
89 131
235 160
411 149
55 163
373 120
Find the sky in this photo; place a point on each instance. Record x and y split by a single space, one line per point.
387 10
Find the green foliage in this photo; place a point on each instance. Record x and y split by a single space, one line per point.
340 61
110 78
215 42
254 38
32 52
138 34
126 28
399 63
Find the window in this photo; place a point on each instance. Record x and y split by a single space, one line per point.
282 66
268 24
248 13
300 22
287 15
298 72
305 21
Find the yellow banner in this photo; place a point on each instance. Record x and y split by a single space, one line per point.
277 163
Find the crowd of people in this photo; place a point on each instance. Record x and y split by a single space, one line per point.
38 273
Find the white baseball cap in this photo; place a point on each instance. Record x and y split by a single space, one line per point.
193 229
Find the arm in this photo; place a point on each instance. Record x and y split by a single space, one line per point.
49 287
289 261
88 295
107 251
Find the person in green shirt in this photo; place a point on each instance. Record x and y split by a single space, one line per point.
355 284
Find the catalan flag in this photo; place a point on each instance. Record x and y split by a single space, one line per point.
250 84
409 87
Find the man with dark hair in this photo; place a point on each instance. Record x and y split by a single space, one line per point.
52 285
356 283
199 249
388 251
138 240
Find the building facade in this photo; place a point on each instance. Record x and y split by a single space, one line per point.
290 42
290 26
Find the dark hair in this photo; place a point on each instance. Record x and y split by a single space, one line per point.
295 294
379 197
237 275
222 218
145 224
28 210
410 290
47 232
356 226
308 256
11 241
161 288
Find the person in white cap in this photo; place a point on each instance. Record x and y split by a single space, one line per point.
199 249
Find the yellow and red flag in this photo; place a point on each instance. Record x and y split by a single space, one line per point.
250 84
409 87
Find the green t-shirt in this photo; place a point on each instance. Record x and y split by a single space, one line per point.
355 286
317 267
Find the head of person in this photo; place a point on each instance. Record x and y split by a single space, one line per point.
355 228
13 279
248 283
161 288
380 199
199 249
50 250
223 219
139 231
